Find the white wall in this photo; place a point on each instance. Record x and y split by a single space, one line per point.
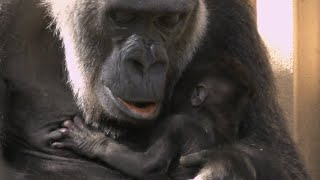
275 24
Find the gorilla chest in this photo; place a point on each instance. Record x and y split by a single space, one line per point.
39 97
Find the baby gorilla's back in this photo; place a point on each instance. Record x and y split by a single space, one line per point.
187 134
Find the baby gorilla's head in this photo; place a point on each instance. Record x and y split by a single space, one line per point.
219 91
221 85
218 94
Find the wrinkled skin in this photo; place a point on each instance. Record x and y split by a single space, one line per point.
48 79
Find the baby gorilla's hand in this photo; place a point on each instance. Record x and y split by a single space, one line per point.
221 165
76 136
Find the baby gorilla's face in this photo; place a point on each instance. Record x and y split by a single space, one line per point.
213 91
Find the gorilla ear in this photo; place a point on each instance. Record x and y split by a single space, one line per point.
199 94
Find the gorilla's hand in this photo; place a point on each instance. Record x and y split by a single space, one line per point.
76 136
221 165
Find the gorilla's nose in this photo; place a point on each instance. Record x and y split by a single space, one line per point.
146 61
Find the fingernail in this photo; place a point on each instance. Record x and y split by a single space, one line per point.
67 123
63 130
56 145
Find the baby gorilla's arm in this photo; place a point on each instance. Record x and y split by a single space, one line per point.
75 135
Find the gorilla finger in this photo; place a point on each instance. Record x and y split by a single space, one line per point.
55 135
64 144
68 124
194 159
58 145
79 122
64 131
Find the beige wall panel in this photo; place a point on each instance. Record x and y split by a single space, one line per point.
307 82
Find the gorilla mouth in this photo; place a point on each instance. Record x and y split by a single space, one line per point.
144 109
138 110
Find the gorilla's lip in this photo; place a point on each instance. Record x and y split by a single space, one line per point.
146 110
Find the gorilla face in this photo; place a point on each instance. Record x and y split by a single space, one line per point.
122 56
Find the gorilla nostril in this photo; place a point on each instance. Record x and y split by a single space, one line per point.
158 67
137 65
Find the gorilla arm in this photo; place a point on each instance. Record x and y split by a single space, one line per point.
263 141
236 162
262 150
94 144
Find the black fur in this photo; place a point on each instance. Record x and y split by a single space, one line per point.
263 136
39 100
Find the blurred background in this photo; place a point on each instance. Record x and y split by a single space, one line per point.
291 31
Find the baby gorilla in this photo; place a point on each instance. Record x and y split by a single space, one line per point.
207 106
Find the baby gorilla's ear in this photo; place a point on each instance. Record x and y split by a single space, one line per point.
199 94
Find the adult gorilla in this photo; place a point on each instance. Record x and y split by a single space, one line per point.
122 61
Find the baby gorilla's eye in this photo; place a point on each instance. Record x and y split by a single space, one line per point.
120 17
168 21
197 91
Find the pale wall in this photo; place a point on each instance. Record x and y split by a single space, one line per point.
275 25
307 82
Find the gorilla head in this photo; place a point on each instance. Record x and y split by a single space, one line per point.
122 57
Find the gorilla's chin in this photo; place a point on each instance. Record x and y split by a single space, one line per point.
134 110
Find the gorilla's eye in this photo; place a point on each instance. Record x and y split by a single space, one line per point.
122 17
168 21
